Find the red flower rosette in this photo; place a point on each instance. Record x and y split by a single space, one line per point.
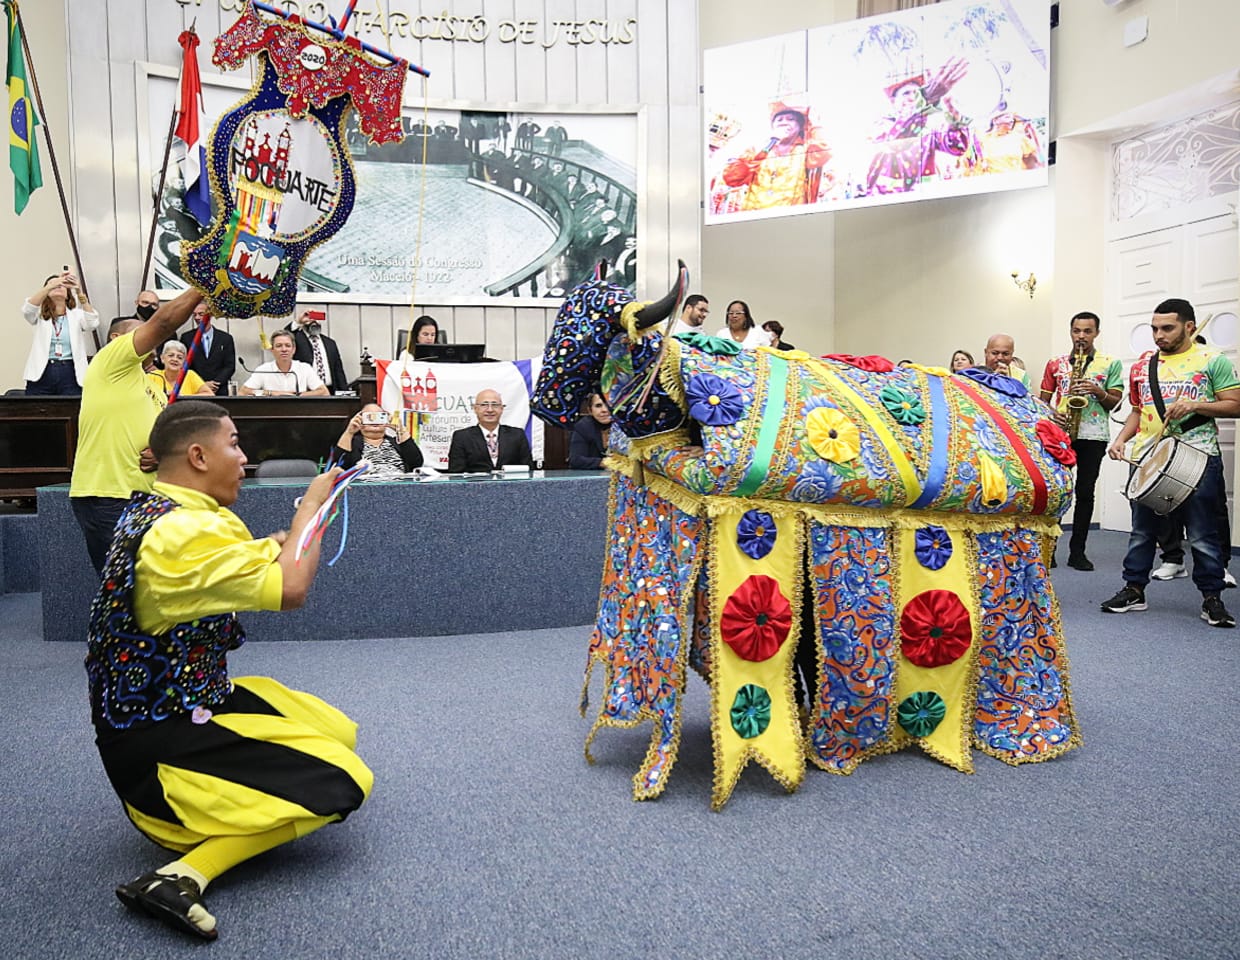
936 628
1056 441
756 619
872 364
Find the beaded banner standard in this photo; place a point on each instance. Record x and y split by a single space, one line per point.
282 179
891 518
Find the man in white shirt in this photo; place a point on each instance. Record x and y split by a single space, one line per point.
284 376
692 315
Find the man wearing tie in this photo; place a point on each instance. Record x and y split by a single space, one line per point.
215 360
491 444
318 350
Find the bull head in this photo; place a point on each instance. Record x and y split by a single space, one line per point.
586 325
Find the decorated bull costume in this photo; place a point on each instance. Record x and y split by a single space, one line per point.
905 505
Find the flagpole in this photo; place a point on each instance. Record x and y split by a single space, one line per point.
163 176
51 151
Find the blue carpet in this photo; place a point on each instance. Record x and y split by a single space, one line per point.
489 836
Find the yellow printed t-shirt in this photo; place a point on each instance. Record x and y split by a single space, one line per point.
1199 373
191 385
119 406
200 560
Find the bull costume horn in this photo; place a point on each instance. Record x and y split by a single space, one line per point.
659 311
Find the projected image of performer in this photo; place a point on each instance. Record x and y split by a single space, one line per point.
1010 144
923 124
788 170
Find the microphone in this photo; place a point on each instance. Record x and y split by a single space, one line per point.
769 144
241 360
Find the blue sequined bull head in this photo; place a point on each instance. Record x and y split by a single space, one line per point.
596 346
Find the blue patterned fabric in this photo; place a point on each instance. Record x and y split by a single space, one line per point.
856 623
1022 702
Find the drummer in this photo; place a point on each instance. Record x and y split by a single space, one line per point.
1197 386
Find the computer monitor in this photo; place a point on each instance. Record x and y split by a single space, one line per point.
450 352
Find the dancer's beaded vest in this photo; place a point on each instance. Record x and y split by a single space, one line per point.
137 677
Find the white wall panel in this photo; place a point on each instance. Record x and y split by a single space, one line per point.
499 59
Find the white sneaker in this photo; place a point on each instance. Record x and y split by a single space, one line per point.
1228 579
1170 571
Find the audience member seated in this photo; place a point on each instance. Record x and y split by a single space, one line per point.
775 330
741 328
371 436
61 318
173 357
284 376
588 444
961 360
425 330
317 349
215 358
491 444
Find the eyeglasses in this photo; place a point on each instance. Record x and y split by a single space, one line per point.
488 403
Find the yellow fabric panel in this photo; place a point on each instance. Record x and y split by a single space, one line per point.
303 707
119 406
955 682
216 807
779 747
202 560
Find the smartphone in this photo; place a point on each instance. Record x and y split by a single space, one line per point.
373 416
317 315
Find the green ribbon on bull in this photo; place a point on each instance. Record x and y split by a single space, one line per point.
768 430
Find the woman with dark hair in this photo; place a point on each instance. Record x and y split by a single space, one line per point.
371 435
61 318
588 444
741 327
425 329
961 360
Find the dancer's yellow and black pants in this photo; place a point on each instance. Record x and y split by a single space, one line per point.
266 758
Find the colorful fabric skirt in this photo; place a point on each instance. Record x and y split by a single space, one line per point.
266 758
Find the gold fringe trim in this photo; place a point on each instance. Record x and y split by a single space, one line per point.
669 374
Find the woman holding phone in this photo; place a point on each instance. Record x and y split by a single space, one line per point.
370 435
61 318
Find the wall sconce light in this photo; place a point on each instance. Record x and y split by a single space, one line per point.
1029 284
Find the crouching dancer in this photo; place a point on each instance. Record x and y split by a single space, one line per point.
217 769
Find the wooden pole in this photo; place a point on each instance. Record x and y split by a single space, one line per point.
51 151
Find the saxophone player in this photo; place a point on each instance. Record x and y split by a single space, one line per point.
1083 387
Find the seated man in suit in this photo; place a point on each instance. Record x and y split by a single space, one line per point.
491 444
315 348
215 360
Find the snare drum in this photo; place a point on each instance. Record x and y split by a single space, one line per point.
1166 475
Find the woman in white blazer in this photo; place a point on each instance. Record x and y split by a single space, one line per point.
61 318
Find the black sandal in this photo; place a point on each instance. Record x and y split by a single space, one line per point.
169 899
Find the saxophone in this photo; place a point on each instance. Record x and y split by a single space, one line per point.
1075 402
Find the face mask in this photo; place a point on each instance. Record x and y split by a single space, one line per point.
145 313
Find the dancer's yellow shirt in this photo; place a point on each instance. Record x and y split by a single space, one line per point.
200 560
119 407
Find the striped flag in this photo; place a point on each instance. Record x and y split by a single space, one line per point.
23 148
192 131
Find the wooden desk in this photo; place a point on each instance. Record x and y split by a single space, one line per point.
38 435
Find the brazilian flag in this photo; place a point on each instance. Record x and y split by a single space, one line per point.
23 148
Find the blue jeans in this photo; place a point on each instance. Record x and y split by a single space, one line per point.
59 380
1200 513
